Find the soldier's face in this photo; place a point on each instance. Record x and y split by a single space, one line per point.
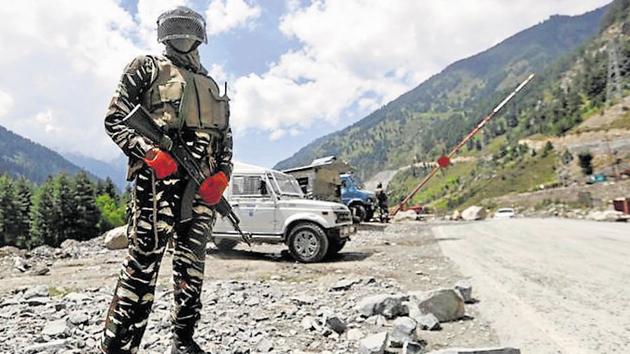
183 45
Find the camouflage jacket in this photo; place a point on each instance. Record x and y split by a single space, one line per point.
136 79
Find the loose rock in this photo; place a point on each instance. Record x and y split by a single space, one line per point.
374 344
474 213
55 328
478 351
116 239
389 306
445 304
428 322
336 324
464 288
413 348
404 331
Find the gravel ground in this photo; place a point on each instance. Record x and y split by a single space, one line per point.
254 301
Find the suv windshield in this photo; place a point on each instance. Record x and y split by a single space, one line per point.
287 185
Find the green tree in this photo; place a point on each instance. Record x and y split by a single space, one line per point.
112 213
86 212
22 205
65 216
107 187
7 212
43 215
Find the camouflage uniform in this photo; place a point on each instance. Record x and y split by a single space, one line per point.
153 216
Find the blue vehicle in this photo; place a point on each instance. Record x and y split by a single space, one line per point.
361 202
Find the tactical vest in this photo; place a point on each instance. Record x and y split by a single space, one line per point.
179 98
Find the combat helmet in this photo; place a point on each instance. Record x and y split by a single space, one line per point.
181 22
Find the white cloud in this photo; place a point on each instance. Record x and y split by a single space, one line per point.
224 15
6 103
62 59
357 55
277 134
45 119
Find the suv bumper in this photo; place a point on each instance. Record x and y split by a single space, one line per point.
342 232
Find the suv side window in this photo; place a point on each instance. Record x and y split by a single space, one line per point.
248 186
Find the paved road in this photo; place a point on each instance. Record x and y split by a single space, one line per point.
548 285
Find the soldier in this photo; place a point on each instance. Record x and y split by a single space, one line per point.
185 102
383 207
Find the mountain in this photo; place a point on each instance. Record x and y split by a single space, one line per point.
115 169
572 121
20 156
432 117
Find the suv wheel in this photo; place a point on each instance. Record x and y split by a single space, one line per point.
308 242
224 244
358 211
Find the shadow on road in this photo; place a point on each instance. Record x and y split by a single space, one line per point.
283 256
372 226
440 239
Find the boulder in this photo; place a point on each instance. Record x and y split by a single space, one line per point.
374 344
505 350
407 215
464 288
606 215
389 306
445 304
404 331
456 215
474 213
116 239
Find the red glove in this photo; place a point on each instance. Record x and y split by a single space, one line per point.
161 162
211 189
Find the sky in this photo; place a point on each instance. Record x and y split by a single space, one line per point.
296 70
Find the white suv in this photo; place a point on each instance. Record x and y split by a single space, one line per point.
273 209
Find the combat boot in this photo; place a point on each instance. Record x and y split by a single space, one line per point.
185 345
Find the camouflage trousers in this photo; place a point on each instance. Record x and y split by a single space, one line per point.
153 219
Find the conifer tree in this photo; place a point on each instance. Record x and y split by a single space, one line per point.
6 201
64 218
87 214
22 206
43 215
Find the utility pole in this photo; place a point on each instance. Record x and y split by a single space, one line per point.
614 88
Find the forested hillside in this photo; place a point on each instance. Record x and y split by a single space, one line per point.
22 157
574 90
432 117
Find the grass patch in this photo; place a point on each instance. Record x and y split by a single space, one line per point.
471 183
621 123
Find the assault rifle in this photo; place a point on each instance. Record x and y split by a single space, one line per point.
141 122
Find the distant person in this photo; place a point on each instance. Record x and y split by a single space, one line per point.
381 199
180 97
